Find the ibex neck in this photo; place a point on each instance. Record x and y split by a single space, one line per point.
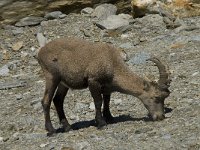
125 81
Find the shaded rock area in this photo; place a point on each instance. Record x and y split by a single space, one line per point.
12 11
22 86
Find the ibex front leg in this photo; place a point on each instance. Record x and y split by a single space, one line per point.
106 108
95 89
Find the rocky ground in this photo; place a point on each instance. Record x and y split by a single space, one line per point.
22 87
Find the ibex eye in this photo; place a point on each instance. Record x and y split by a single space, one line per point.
157 101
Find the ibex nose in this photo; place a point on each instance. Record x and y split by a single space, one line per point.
157 117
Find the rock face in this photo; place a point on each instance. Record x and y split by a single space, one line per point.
12 10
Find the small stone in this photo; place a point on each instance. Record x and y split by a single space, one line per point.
124 36
166 136
195 74
92 107
53 15
33 49
29 21
127 45
1 139
17 46
41 39
62 16
43 145
195 38
17 31
87 10
16 134
24 54
173 56
18 96
4 71
80 107
117 101
140 58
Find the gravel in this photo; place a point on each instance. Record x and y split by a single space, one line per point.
21 115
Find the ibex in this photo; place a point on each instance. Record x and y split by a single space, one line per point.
78 64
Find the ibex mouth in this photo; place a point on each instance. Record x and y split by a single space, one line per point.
156 117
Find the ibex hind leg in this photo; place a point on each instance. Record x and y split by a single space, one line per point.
58 102
51 85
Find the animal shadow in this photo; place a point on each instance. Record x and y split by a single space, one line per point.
118 119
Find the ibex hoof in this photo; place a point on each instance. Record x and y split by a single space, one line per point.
101 125
50 134
66 128
109 119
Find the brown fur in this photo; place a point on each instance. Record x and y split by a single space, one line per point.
77 64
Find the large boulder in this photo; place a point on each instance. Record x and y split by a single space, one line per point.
115 21
103 11
180 8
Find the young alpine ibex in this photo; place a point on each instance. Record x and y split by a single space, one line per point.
77 64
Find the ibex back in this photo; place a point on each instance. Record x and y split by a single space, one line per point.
77 64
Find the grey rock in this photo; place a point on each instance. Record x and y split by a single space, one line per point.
117 101
33 135
126 16
1 139
53 15
103 11
29 21
87 10
127 45
173 56
11 84
140 58
166 136
62 16
43 145
18 96
195 38
17 31
4 70
80 107
113 22
36 105
195 74
152 20
92 107
41 39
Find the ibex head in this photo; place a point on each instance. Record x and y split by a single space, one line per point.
156 92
